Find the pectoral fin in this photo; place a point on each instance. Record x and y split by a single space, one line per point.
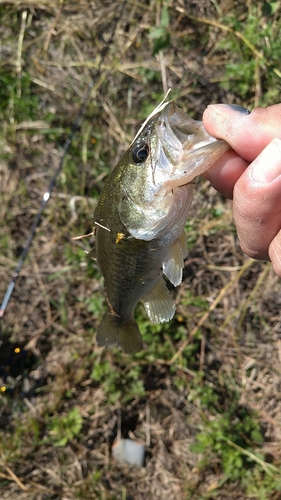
173 265
159 304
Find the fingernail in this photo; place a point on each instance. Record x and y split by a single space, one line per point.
231 109
267 166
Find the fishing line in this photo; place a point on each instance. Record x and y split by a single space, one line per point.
48 192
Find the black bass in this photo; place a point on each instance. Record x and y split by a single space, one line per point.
140 219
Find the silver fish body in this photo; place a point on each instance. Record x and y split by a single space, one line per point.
140 219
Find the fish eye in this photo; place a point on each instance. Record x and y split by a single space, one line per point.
140 153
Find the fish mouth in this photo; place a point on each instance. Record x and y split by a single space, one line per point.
191 133
186 145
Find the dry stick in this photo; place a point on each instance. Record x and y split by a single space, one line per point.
20 45
12 476
223 291
161 54
32 486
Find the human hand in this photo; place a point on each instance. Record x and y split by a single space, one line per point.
251 175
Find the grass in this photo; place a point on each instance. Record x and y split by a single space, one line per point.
203 396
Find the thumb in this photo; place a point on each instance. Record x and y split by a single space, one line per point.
247 133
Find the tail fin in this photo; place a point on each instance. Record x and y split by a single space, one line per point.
113 331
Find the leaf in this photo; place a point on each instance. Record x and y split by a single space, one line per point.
161 43
165 18
197 448
269 8
157 32
160 33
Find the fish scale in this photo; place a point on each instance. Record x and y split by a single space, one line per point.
126 264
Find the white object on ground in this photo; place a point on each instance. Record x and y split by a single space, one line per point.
127 450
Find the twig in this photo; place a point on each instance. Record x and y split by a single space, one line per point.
12 476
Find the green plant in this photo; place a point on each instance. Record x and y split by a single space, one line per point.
253 37
160 34
230 440
121 382
18 101
231 434
63 429
261 484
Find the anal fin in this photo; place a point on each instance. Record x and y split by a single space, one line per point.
158 304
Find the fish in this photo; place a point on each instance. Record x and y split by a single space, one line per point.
140 217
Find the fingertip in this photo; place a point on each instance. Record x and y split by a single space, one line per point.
266 168
218 118
228 109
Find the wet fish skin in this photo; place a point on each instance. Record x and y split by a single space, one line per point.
140 219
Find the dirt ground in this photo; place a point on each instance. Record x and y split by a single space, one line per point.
214 370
